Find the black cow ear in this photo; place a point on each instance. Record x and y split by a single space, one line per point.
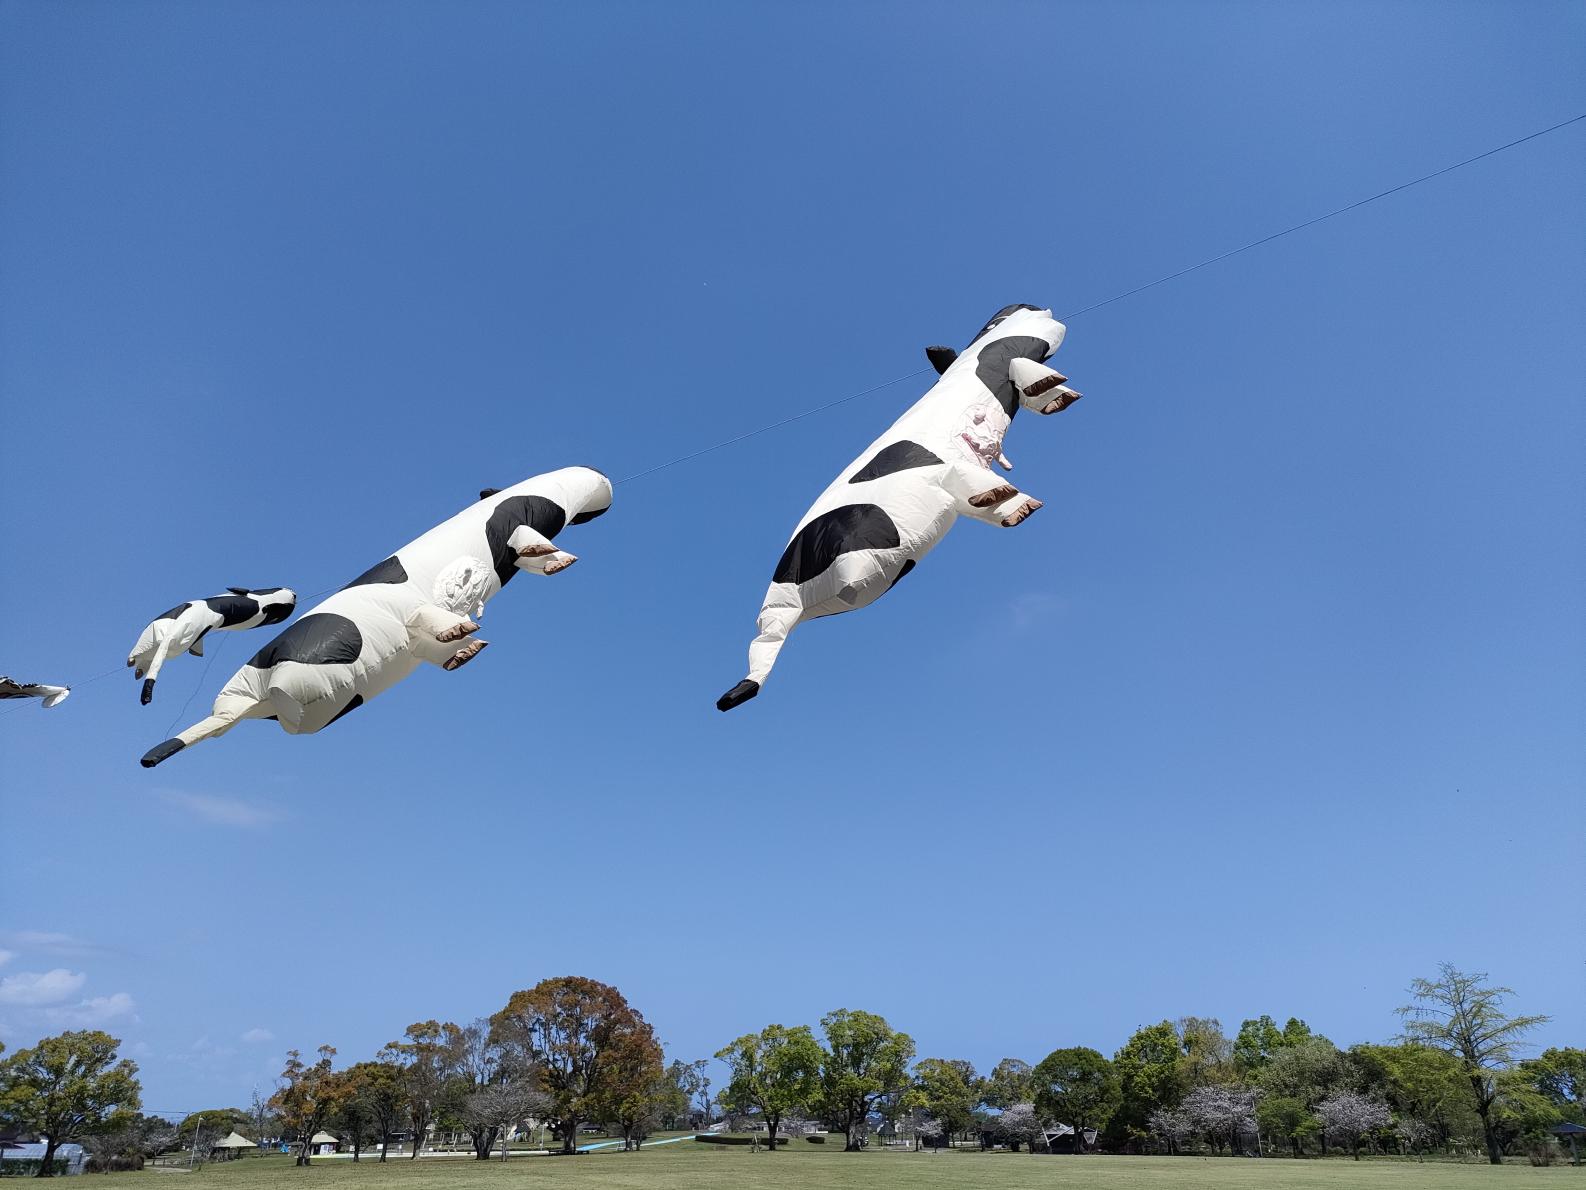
240 590
486 493
941 358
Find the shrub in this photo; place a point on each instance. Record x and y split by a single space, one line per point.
717 1138
1542 1152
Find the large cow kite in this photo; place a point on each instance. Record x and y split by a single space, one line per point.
418 605
901 496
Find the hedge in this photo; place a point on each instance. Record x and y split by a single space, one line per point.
717 1138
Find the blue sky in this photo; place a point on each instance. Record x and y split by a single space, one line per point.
1273 707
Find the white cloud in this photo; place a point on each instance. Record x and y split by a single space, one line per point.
31 989
6 956
47 942
255 1035
96 1011
221 811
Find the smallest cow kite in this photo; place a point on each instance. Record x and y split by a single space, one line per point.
52 695
183 628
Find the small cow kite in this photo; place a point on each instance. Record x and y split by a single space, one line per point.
901 496
183 628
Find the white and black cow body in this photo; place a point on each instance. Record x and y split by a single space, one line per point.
183 628
415 606
53 696
897 500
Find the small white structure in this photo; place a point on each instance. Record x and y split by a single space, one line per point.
233 1145
322 1144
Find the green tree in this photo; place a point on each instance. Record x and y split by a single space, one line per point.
1461 1014
67 1087
1287 1119
776 1070
1559 1075
1150 1079
1008 1083
947 1090
577 1034
1205 1053
1256 1042
1420 1084
378 1101
864 1061
1076 1087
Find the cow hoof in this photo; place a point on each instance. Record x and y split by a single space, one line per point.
536 551
738 695
1064 400
148 692
464 655
1046 384
559 565
457 632
161 752
996 496
1020 513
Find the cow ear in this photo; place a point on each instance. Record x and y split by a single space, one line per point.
486 493
941 358
240 590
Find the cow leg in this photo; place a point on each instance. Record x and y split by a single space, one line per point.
229 710
977 493
433 633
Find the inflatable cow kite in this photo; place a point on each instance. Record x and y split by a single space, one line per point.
183 628
901 496
418 605
52 695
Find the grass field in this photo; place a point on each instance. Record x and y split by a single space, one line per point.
690 1166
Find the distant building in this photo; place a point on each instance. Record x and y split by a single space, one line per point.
73 1155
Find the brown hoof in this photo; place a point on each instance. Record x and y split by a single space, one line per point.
1019 514
554 567
536 551
1046 384
457 632
996 496
1063 401
464 655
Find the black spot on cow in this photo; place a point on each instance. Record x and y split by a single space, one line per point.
357 701
907 566
584 518
941 358
233 609
1000 315
900 456
841 531
389 571
277 612
545 517
161 751
323 638
486 493
172 614
991 368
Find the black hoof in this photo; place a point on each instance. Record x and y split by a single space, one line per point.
738 695
148 692
161 752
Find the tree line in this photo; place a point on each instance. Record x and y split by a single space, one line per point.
571 1052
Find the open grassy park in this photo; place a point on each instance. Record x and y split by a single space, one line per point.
689 1166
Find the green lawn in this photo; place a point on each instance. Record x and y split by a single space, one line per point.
691 1166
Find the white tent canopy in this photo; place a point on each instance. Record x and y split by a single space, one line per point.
235 1141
